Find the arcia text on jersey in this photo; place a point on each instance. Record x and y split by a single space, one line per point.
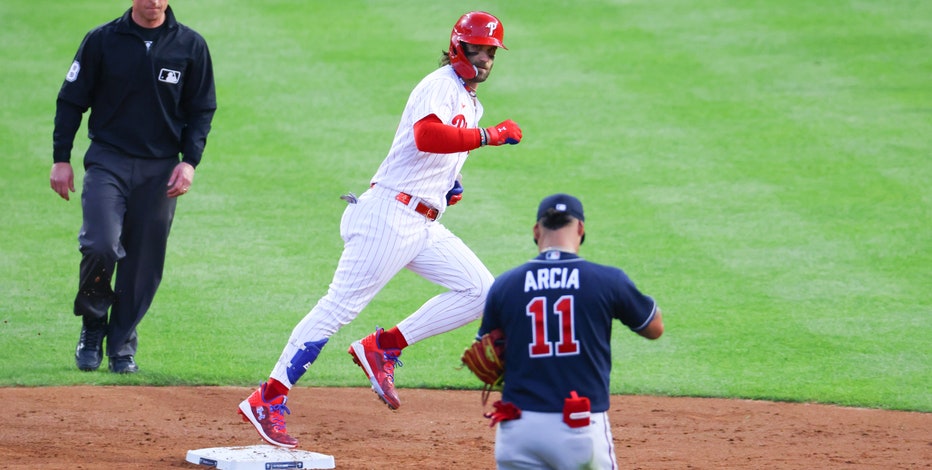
551 278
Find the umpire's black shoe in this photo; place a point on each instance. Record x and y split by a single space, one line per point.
123 365
89 353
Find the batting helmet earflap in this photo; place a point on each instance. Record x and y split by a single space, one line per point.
475 27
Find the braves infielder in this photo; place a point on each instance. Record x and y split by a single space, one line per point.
394 225
556 312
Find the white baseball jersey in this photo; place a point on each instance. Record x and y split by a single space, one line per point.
429 175
383 235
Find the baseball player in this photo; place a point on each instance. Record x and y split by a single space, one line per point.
556 312
395 224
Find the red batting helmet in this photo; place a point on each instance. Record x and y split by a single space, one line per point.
475 27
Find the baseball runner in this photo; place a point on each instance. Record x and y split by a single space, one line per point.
395 225
556 314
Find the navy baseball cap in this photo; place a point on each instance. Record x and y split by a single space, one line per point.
561 203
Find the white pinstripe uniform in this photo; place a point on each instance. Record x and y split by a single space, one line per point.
383 235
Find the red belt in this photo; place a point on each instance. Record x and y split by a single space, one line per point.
420 208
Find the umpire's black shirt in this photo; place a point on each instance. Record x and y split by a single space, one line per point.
151 93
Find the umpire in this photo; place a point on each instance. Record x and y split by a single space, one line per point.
149 83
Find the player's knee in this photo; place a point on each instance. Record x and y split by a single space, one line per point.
476 297
101 249
485 282
481 283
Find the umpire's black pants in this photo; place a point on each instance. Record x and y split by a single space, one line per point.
127 218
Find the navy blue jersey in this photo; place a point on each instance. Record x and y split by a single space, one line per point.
557 312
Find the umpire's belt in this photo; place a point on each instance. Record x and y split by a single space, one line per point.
420 207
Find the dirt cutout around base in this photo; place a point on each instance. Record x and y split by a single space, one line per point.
108 427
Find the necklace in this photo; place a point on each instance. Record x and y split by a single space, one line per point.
471 91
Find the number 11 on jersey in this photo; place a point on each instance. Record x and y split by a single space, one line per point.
567 344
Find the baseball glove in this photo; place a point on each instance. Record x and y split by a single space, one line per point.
485 358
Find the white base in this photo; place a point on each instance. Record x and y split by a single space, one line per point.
260 457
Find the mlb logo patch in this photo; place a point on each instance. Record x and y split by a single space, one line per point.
169 76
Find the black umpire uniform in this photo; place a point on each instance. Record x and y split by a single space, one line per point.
152 98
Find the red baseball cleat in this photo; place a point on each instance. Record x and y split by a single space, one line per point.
379 366
268 417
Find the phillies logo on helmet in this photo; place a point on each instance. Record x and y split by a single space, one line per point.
492 25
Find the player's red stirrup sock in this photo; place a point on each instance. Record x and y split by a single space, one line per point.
392 339
274 388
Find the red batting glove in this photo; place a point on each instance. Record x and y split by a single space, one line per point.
503 412
505 132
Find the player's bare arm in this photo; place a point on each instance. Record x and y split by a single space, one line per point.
655 328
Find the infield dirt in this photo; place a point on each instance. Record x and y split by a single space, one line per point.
106 427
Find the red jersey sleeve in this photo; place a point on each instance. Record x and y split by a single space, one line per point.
432 135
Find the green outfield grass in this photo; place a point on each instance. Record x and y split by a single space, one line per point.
763 169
